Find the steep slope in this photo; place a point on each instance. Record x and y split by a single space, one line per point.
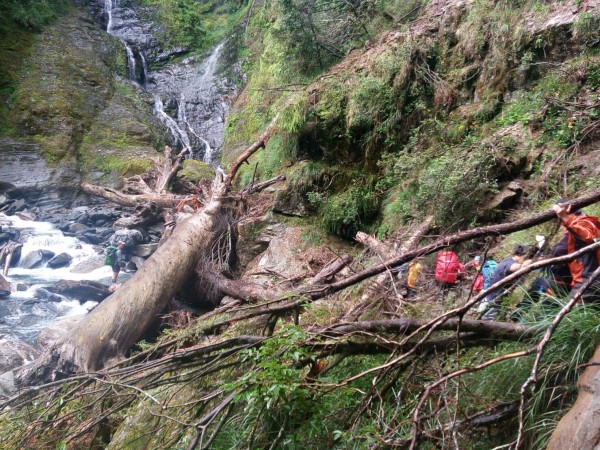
467 111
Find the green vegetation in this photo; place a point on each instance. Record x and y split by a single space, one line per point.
196 25
195 171
19 21
30 14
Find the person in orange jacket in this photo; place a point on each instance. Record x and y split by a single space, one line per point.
581 230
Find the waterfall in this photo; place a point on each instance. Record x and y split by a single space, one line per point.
208 151
130 63
108 6
208 68
144 69
200 117
177 132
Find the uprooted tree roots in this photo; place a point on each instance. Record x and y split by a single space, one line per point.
261 373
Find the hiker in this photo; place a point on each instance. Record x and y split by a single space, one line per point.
115 258
490 306
474 266
487 271
447 270
414 271
581 230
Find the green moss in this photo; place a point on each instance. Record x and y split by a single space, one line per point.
15 45
195 171
349 211
124 166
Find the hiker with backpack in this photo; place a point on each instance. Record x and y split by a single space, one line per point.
447 270
581 230
115 258
473 267
490 306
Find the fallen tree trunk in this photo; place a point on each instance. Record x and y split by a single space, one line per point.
500 330
386 252
579 428
118 322
145 214
120 198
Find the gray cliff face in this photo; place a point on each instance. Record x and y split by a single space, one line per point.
87 101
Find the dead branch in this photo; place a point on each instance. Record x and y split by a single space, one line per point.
169 169
261 142
331 269
260 186
120 198
500 330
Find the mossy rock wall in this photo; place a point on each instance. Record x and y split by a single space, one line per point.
66 82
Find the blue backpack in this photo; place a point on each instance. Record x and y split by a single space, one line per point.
487 270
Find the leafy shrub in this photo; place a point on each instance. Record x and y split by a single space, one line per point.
371 102
347 212
32 14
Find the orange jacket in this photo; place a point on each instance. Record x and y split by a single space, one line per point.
581 231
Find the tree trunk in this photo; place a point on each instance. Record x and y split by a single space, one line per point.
118 322
579 429
120 198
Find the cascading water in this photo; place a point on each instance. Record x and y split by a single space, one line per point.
200 110
131 66
190 84
144 69
22 315
177 132
108 8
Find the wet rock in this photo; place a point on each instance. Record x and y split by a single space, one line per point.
18 205
45 294
32 260
15 353
61 260
26 215
131 238
5 287
22 287
103 215
77 227
144 250
89 265
47 254
90 237
7 384
83 291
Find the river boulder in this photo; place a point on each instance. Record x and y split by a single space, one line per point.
83 291
129 237
89 265
44 294
61 260
15 353
5 287
36 258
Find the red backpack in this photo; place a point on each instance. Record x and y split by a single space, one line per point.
447 267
